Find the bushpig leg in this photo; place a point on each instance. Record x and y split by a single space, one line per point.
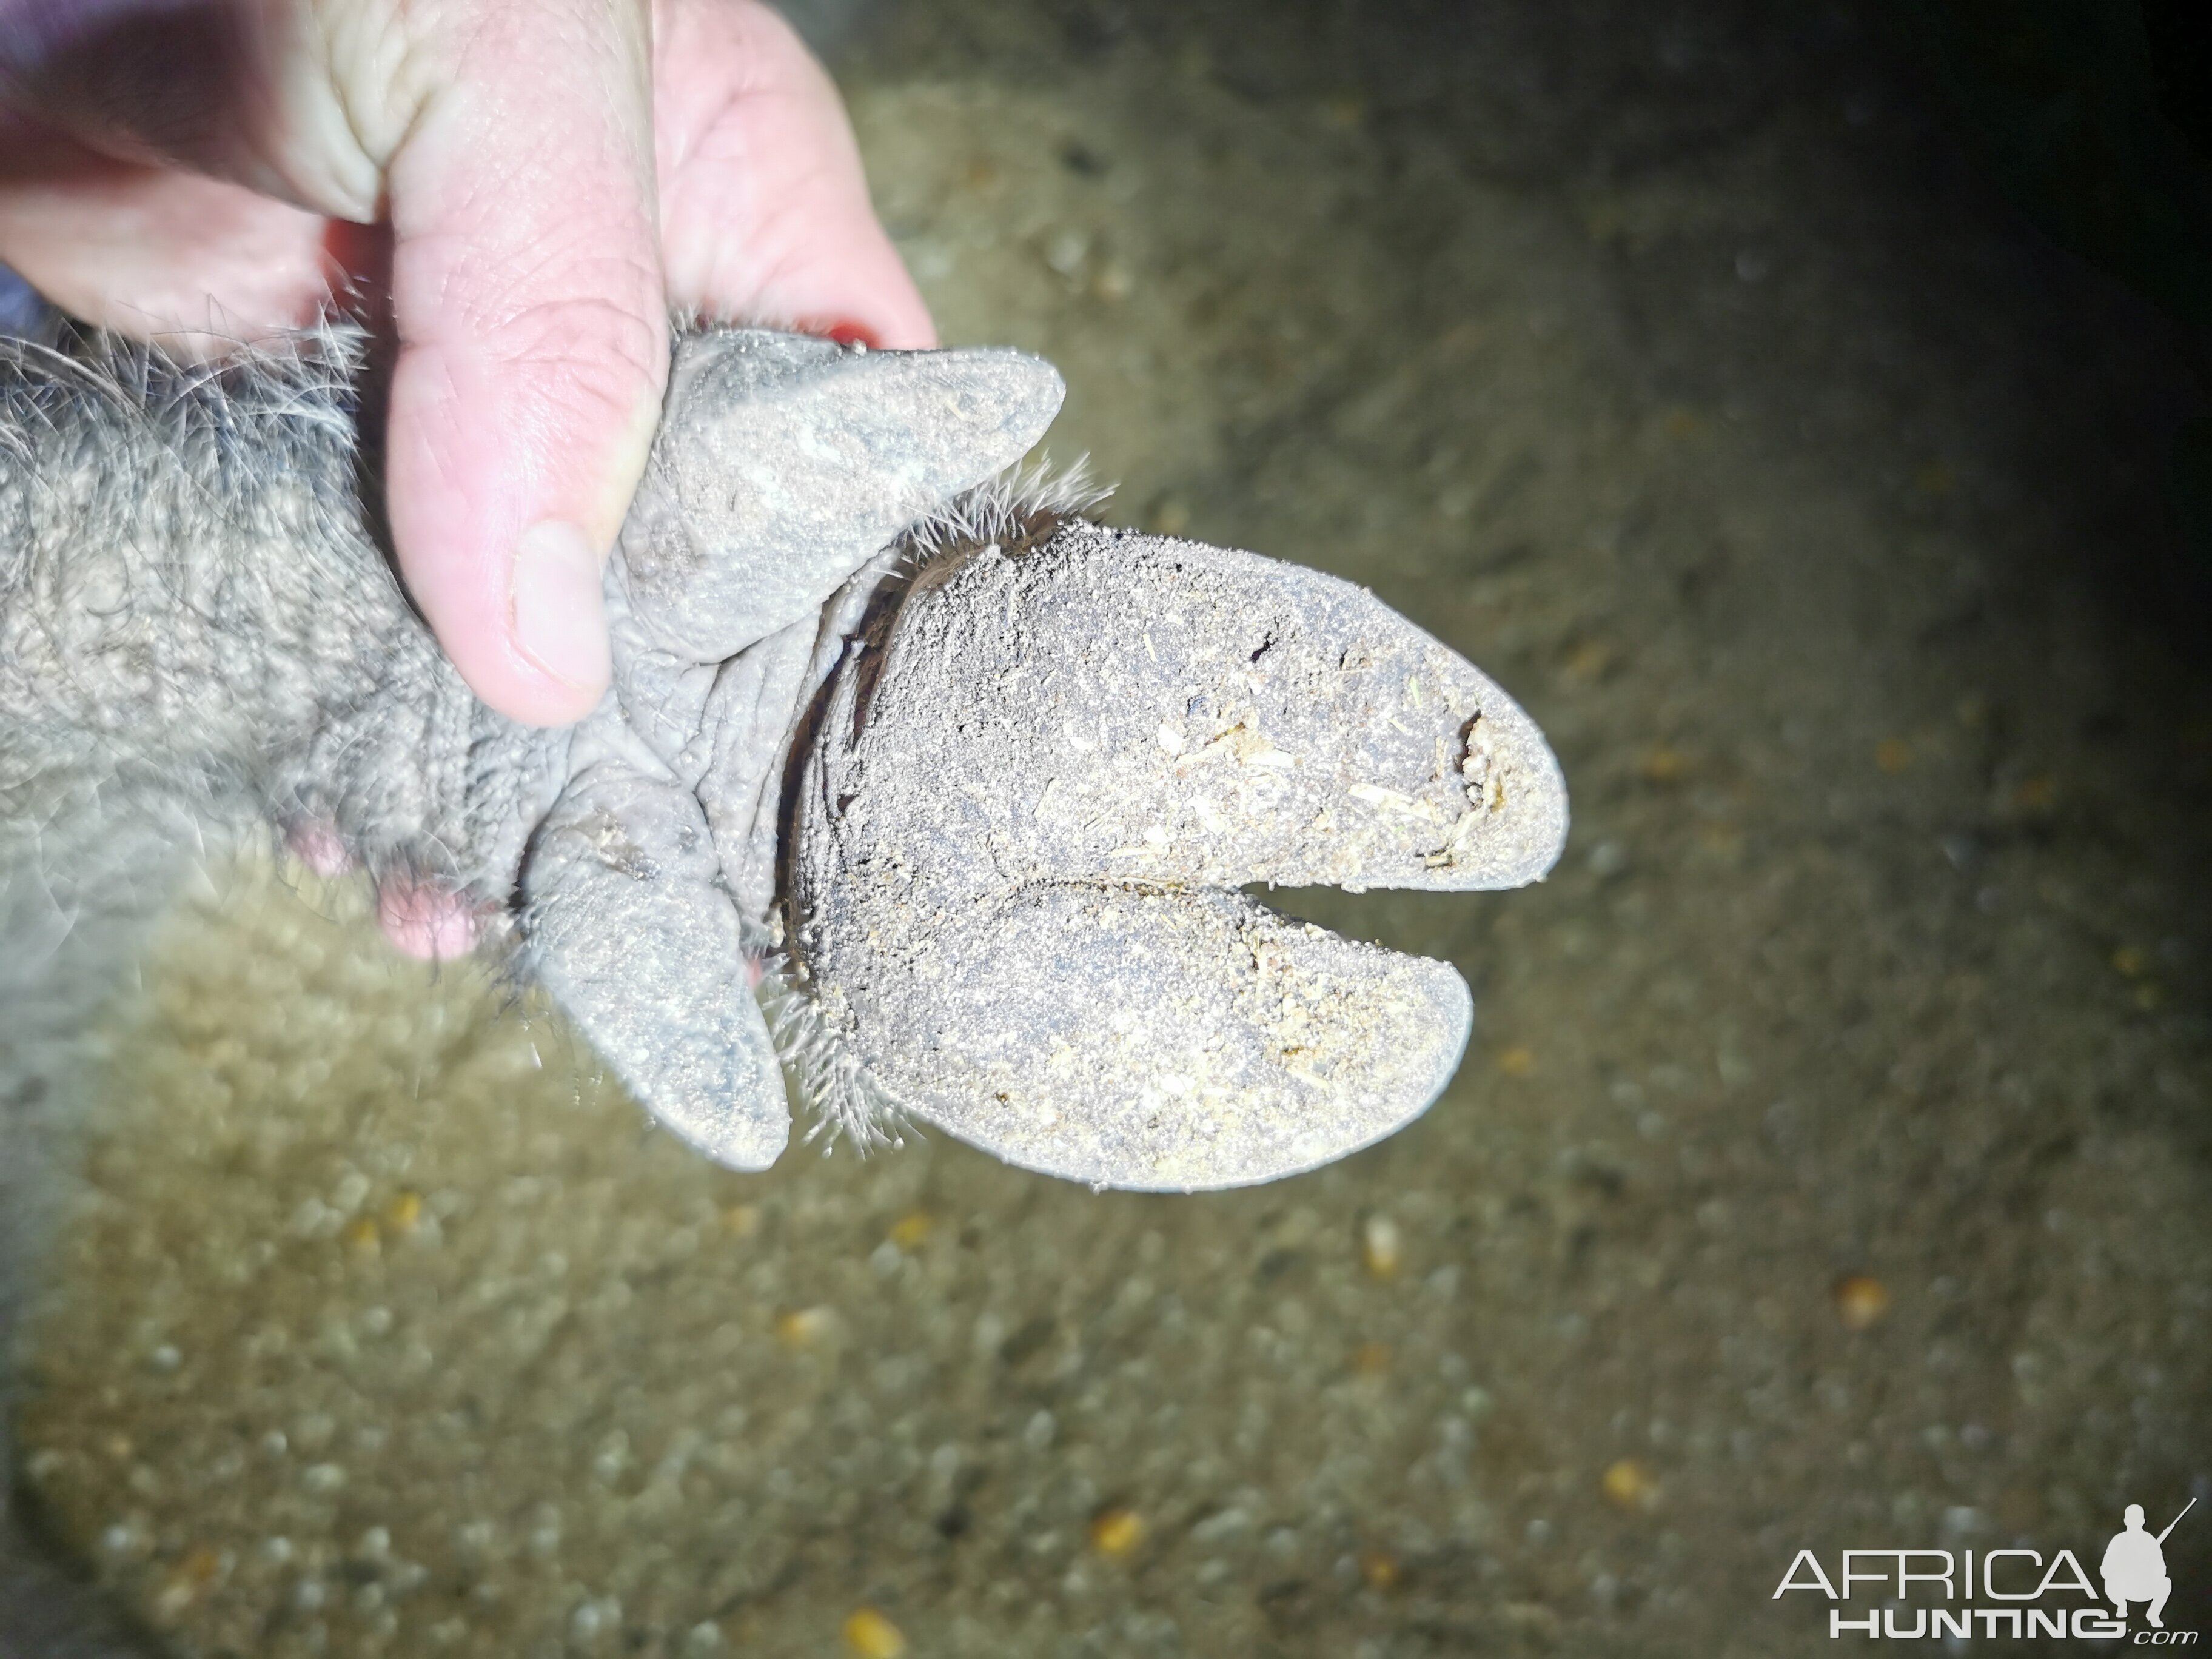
200 636
229 646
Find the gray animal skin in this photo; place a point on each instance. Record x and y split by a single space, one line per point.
910 780
1029 760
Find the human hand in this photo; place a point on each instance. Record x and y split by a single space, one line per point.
553 179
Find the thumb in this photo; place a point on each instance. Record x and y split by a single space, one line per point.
527 295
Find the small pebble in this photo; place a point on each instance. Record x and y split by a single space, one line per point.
1117 1531
1892 755
1630 1485
909 1231
1379 1570
804 1327
1381 1248
172 1599
1517 1061
1860 1301
871 1635
322 1478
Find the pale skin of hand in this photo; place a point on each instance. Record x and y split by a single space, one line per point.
553 177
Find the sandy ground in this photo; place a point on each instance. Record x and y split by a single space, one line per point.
1831 1166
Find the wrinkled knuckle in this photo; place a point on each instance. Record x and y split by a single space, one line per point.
610 342
580 368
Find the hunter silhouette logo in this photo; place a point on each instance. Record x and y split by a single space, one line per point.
2016 1593
2135 1565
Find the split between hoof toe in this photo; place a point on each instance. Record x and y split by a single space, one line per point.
1027 806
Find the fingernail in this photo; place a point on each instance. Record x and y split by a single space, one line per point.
559 620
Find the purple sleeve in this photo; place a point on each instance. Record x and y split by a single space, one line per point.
21 310
33 31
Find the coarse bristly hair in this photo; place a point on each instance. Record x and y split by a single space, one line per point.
221 430
1018 509
89 848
